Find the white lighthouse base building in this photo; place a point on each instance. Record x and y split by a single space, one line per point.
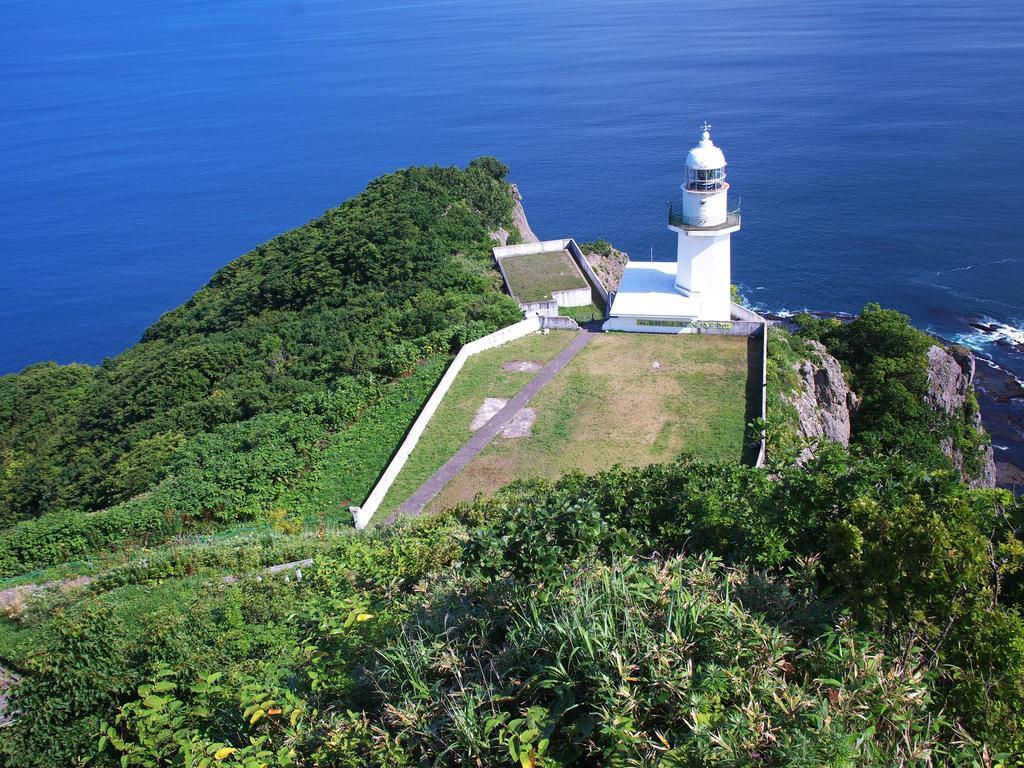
693 293
648 301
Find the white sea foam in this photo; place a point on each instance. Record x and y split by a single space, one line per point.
1001 369
991 332
976 341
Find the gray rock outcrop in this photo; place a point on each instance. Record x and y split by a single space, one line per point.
950 384
608 266
948 381
526 234
824 401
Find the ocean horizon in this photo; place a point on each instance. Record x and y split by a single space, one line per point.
876 148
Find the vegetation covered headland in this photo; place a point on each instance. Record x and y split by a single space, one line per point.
854 602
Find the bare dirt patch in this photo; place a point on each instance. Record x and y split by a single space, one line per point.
522 366
489 473
520 425
487 411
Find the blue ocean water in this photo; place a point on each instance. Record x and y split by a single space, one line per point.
877 147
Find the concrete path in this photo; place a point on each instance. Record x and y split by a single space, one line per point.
416 503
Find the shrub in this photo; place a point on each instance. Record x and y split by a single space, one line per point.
358 293
677 663
886 360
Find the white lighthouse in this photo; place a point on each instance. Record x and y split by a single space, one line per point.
694 292
704 225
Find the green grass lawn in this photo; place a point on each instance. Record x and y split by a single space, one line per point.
611 406
534 276
481 377
584 314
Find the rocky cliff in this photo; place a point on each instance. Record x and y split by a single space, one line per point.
519 221
826 404
607 261
951 391
823 400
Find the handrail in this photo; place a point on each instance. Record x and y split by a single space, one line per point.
676 218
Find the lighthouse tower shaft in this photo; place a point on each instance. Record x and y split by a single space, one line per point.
704 225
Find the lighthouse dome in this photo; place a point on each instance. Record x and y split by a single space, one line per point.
705 156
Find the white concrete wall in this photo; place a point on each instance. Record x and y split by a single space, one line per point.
629 325
547 246
543 308
577 297
574 249
559 323
762 453
362 514
740 312
661 325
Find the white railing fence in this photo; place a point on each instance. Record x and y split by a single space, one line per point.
362 515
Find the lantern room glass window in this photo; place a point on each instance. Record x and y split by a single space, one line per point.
705 180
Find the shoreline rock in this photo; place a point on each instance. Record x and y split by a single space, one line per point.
519 220
950 386
825 402
1001 397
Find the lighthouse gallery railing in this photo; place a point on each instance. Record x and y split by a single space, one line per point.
676 218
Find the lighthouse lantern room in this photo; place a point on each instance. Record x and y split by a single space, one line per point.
678 297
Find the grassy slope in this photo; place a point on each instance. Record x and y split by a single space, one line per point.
346 468
284 384
610 407
481 377
534 276
354 459
390 276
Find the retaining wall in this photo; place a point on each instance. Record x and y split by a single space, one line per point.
762 453
584 265
522 249
559 323
361 515
740 312
551 246
662 325
543 308
576 297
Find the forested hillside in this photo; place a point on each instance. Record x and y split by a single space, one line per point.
854 612
863 609
228 400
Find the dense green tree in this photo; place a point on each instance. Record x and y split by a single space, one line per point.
398 273
890 594
886 359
